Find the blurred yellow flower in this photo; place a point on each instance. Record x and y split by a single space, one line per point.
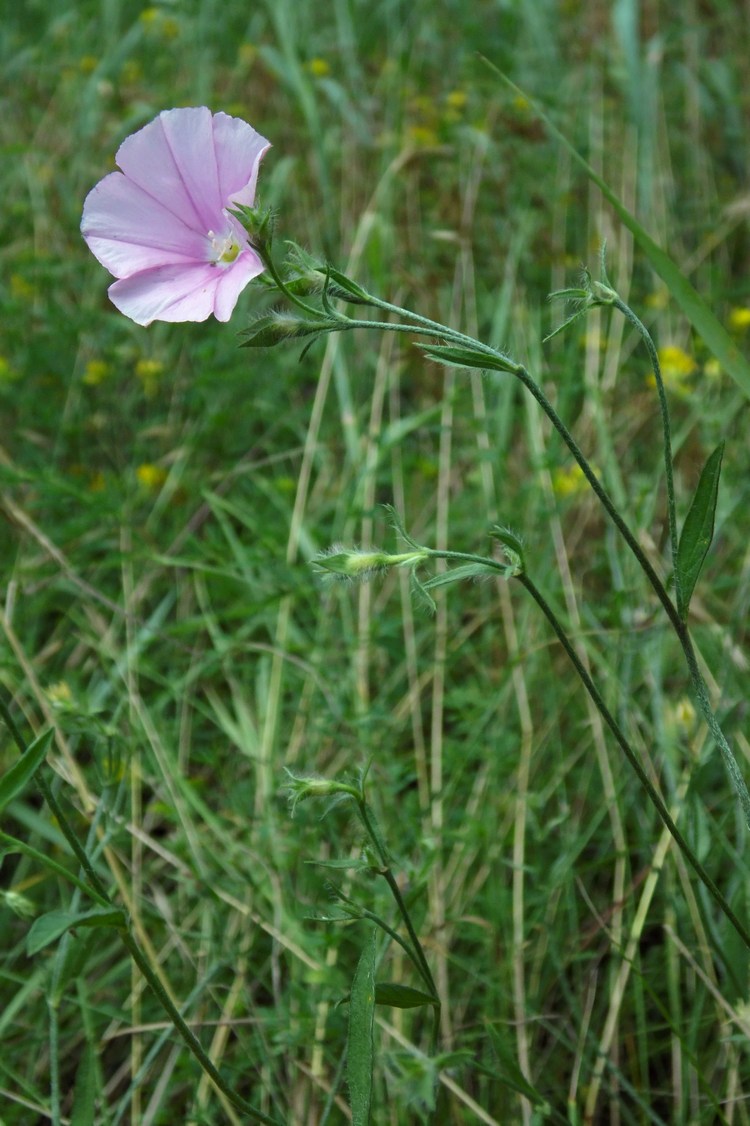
319 68
95 372
676 365
7 373
680 717
131 72
150 476
148 373
712 369
457 99
569 482
247 53
159 23
421 136
658 299
148 369
22 288
87 64
739 318
59 694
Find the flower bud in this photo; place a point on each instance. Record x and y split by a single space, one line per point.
343 563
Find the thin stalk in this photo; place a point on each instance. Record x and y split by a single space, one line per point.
645 335
632 758
385 870
187 1034
423 326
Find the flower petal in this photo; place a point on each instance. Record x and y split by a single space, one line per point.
173 159
129 231
185 293
167 293
233 280
239 151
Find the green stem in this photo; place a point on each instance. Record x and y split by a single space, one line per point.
424 326
632 758
645 335
385 871
187 1034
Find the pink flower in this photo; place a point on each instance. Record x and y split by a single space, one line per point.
162 225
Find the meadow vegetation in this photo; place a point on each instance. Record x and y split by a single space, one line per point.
164 491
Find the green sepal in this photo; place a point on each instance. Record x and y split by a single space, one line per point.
339 285
468 358
513 546
697 532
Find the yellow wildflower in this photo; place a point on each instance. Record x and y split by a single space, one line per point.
677 366
739 318
95 372
318 68
150 476
568 482
457 99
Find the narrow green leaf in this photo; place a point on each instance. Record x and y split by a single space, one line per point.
86 1090
697 531
401 996
340 285
345 864
705 323
467 358
47 928
465 571
22 771
361 1030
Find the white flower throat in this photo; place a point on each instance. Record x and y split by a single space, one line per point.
224 248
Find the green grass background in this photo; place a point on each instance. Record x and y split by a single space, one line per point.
163 491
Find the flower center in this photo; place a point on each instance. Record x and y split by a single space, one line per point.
224 248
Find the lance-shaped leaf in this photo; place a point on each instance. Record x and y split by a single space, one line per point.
361 1029
22 771
467 571
697 532
53 924
401 996
457 357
